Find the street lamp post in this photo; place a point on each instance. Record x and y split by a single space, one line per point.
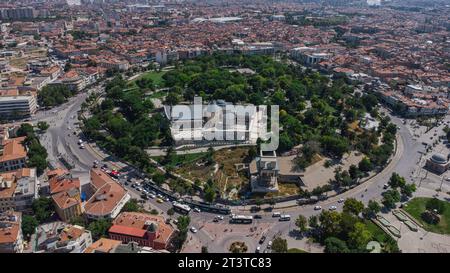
442 182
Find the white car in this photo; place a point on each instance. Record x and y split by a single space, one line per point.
317 208
258 249
220 217
152 196
196 209
341 200
82 146
193 230
333 208
269 245
276 214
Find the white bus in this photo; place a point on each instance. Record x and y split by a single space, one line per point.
181 208
241 219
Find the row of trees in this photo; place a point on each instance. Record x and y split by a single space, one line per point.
313 109
43 210
37 154
399 189
53 95
344 232
183 228
123 123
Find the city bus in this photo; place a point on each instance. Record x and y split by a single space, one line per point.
241 219
181 208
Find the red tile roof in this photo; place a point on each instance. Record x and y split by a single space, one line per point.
130 231
58 184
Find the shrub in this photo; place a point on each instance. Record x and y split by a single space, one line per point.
430 217
435 204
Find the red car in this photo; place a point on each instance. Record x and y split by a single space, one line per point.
115 173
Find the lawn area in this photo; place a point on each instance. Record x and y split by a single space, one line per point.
182 160
285 189
157 95
417 206
296 250
386 241
226 177
155 76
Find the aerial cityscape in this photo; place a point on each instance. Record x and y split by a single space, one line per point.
225 126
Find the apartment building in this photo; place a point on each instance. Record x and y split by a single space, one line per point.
13 154
17 13
4 66
16 107
18 189
66 196
59 237
108 199
11 239
103 245
166 56
68 204
72 80
308 55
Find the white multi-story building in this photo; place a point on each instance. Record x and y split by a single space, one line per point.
4 66
215 125
17 13
18 189
163 57
59 237
15 107
308 55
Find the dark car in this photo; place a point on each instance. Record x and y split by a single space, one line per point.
257 216
263 238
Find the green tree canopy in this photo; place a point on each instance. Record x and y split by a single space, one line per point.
302 223
279 245
99 228
353 206
335 245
